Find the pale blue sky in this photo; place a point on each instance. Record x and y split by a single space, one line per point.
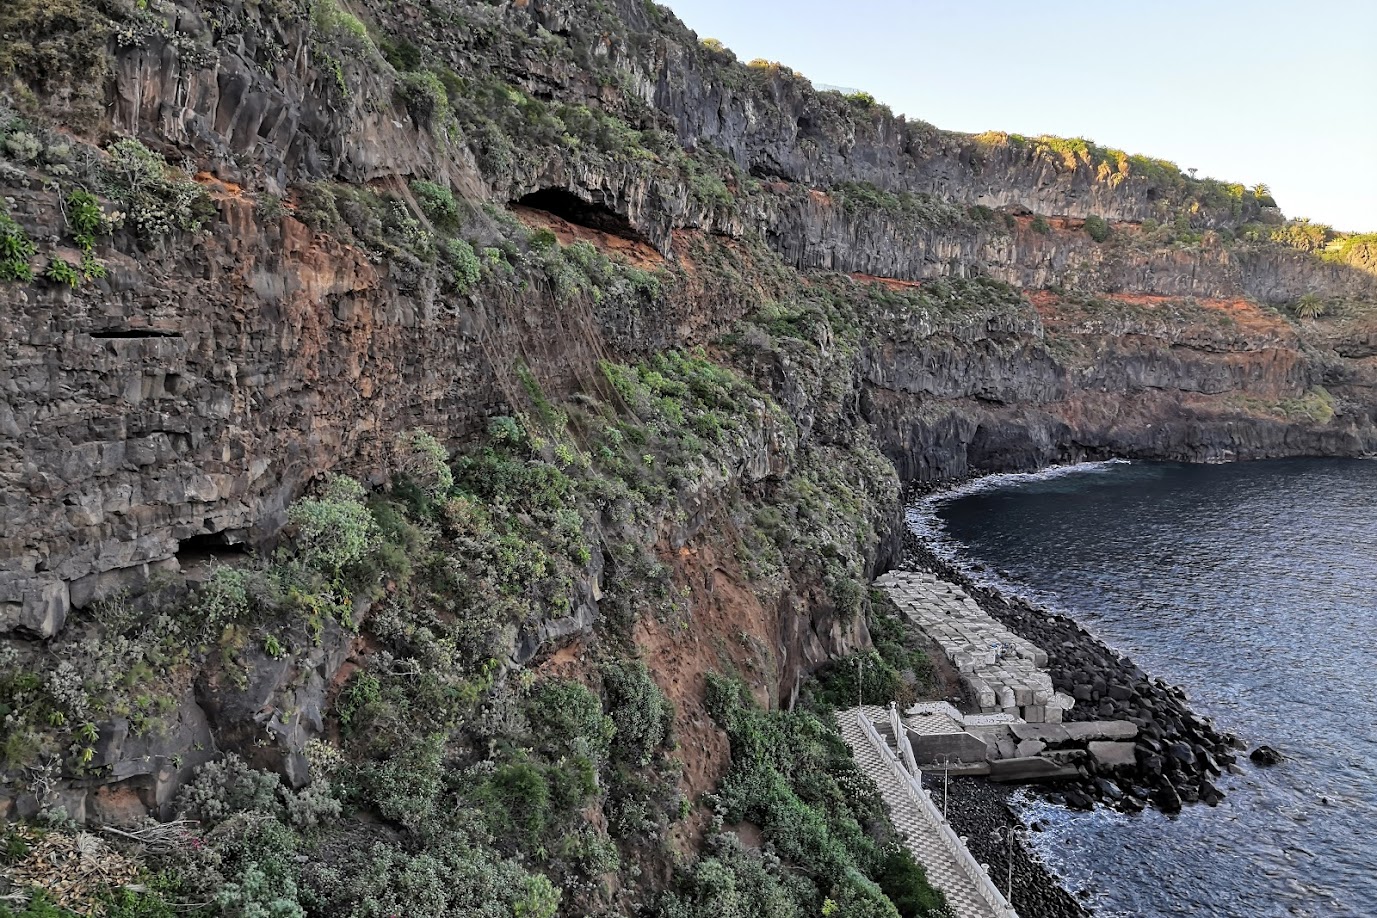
1245 90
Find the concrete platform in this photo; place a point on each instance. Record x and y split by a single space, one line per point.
1031 768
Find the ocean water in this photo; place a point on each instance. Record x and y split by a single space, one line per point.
1253 586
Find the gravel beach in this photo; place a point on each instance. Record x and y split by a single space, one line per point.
976 807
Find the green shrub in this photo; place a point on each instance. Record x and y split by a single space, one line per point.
86 219
856 896
362 695
129 903
1097 228
405 786
61 272
836 687
906 884
568 719
1309 306
229 786
540 899
438 204
270 207
425 461
223 598
158 201
518 803
16 248
730 881
335 531
400 53
1316 406
317 208
451 877
257 894
463 263
426 97
40 906
792 775
639 710
1040 225
340 28
55 46
923 209
23 147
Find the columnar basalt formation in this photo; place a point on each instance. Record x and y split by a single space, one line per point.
937 296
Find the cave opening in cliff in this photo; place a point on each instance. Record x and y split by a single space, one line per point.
573 209
210 548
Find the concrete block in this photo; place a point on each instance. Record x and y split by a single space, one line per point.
1031 768
1102 730
1051 734
964 746
1113 755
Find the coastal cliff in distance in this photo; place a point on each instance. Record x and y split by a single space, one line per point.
386 385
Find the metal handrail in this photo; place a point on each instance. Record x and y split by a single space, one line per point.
950 840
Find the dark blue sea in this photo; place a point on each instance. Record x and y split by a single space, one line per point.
1253 586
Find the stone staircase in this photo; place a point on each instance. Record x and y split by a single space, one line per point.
923 834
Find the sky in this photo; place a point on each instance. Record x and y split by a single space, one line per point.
1248 91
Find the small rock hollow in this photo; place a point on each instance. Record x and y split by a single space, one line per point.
135 333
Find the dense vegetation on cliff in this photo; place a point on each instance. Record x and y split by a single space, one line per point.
447 444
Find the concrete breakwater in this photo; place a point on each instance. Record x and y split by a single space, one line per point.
1046 701
1001 671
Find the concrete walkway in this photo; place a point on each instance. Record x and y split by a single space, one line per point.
923 836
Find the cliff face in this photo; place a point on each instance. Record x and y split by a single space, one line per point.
890 286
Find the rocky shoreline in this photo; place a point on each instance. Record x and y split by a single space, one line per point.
1177 753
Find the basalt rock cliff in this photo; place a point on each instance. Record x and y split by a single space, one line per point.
249 245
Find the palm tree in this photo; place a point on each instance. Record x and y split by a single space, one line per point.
1310 306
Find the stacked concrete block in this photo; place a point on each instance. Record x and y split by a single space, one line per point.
1002 672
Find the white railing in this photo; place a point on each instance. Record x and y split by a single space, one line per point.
901 740
977 874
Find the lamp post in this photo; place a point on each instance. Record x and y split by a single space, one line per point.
1006 834
860 666
946 762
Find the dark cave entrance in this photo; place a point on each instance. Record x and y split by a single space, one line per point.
198 552
573 209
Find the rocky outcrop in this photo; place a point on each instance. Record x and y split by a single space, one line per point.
818 231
